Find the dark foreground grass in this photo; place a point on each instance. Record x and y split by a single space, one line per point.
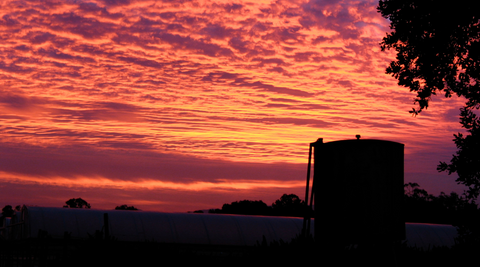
50 252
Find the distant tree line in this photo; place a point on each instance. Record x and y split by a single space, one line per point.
74 203
419 206
286 205
125 207
457 210
80 204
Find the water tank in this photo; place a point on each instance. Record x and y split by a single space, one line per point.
358 190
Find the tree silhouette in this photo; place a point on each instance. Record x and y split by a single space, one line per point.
286 205
289 205
215 211
287 201
438 51
125 207
7 211
246 207
77 203
413 191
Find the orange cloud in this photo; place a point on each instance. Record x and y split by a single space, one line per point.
100 182
128 91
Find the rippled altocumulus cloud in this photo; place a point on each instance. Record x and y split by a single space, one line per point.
196 91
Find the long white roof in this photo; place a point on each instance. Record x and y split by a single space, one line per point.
184 228
193 228
423 235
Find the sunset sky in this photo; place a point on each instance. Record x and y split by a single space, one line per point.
183 105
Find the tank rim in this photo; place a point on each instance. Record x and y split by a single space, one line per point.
360 140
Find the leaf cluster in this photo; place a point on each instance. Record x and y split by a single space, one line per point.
466 161
438 48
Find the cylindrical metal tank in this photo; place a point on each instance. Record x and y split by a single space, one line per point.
358 190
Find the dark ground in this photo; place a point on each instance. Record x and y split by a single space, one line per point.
49 252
